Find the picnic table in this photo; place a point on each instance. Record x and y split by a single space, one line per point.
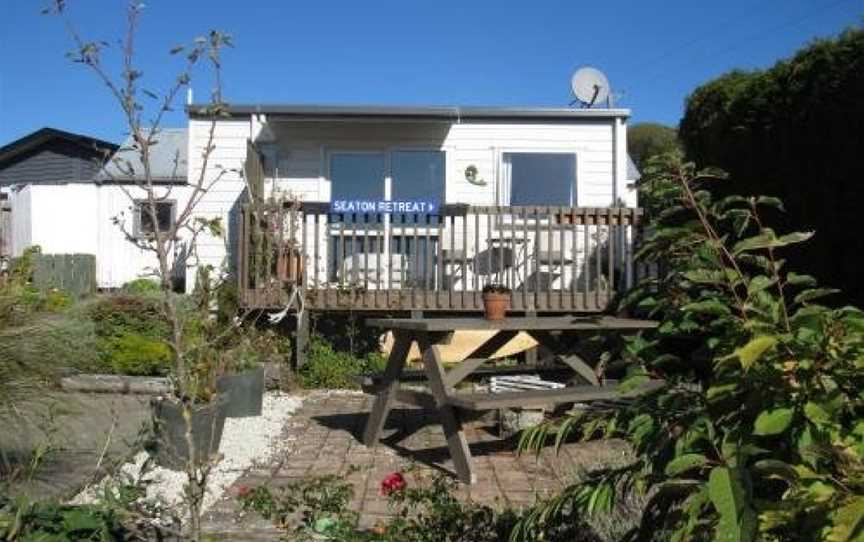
559 334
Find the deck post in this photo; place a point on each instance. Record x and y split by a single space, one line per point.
301 340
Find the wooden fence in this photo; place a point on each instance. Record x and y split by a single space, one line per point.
565 259
73 273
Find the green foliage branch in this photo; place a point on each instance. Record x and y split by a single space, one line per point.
758 433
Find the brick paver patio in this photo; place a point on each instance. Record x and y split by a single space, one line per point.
324 438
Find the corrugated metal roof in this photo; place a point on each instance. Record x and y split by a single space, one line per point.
444 113
168 159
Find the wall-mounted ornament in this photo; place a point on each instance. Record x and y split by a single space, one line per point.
471 176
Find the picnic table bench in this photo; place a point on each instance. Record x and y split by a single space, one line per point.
560 334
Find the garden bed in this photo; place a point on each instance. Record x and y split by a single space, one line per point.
245 443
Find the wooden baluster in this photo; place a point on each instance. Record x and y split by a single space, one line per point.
450 258
379 253
598 257
526 269
475 252
537 272
550 235
463 274
304 266
573 255
563 265
610 218
586 261
489 246
439 257
315 243
428 282
415 263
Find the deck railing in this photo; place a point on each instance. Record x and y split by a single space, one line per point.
553 258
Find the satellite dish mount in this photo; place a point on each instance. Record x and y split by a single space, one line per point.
590 86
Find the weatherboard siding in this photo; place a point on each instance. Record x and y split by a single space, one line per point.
119 260
63 162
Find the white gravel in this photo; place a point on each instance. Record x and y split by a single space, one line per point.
245 443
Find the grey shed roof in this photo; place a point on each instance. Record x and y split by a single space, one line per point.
168 159
439 113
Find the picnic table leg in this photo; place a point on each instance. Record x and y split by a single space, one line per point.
390 383
450 421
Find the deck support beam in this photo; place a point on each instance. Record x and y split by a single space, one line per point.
301 340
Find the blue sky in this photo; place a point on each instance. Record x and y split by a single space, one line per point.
407 52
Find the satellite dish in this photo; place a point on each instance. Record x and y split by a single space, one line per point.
589 86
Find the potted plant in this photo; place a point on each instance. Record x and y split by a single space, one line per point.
242 380
496 301
284 218
196 413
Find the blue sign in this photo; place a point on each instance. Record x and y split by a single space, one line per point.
421 207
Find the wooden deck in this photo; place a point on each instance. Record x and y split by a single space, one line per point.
555 259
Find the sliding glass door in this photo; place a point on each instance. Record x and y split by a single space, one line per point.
385 250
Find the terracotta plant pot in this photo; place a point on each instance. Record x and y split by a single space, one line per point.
565 218
496 305
289 266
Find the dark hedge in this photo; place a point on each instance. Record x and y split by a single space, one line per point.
795 131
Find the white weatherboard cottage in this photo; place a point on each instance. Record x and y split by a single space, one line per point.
481 157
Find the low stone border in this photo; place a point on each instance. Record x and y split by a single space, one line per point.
91 383
144 385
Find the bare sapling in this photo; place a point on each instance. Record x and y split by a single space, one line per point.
131 169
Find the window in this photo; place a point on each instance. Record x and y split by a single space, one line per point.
529 178
418 175
357 176
165 213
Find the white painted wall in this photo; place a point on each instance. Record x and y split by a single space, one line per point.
78 218
19 199
117 259
64 218
600 146
223 199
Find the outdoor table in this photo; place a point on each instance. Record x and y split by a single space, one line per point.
559 334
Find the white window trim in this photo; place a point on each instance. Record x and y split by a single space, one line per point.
502 195
137 209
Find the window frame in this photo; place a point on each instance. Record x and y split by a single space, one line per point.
386 150
503 194
139 208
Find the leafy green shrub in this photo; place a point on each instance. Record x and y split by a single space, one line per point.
317 508
48 521
330 369
794 131
141 287
137 355
759 432
131 335
121 314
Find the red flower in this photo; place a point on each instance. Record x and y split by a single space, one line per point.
392 482
242 490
